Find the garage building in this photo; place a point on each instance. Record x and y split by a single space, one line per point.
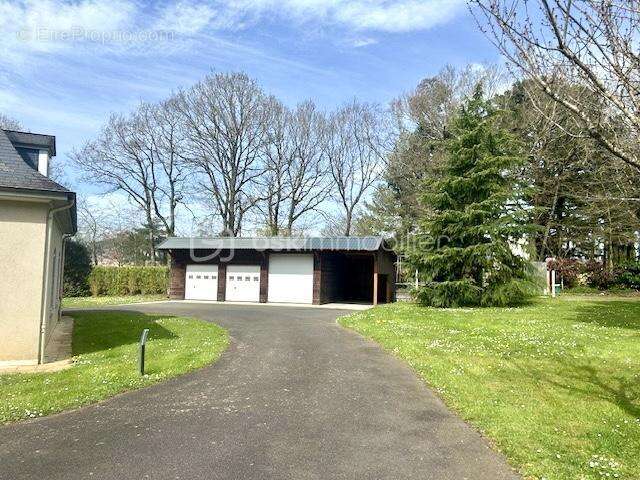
313 270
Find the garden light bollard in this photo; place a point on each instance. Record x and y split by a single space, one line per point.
143 343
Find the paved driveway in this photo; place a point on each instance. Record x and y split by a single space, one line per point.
294 397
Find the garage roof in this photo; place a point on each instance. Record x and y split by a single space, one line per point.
370 244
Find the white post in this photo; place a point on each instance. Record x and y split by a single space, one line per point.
417 285
553 283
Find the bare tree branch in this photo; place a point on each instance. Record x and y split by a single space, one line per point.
356 146
575 50
225 117
295 179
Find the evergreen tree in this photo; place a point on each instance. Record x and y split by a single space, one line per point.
77 267
473 218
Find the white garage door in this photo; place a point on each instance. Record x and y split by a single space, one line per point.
201 282
291 278
243 283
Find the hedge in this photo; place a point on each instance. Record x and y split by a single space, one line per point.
596 275
128 280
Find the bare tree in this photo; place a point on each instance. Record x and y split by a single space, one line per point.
356 145
307 176
140 155
225 117
163 127
90 229
97 222
8 123
590 46
278 155
295 179
432 103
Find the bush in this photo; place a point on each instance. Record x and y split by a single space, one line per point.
567 270
128 280
598 276
77 268
629 275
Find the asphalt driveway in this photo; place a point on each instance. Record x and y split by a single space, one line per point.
295 397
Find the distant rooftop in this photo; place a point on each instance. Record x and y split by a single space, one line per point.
367 244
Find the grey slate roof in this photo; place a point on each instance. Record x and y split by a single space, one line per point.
16 174
369 244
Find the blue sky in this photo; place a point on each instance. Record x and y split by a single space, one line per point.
64 66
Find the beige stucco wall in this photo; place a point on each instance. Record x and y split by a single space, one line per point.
22 250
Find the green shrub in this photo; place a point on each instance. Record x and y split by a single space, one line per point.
598 276
629 275
77 268
128 280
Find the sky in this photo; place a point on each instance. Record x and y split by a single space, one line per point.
66 65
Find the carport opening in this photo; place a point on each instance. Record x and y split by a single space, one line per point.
348 278
358 279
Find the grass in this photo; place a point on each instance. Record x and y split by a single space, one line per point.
555 386
105 347
590 291
89 302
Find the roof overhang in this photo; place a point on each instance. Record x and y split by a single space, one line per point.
28 195
68 218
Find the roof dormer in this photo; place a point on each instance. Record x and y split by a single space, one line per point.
35 149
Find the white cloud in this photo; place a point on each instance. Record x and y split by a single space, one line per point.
186 17
359 15
401 16
89 14
52 26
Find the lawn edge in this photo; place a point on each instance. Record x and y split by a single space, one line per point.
110 305
231 344
433 389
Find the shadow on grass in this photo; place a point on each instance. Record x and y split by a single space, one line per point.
589 382
616 314
597 379
102 330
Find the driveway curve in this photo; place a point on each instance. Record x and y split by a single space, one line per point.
296 396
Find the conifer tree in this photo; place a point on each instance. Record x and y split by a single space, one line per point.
473 218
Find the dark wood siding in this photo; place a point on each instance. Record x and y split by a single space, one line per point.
387 274
317 278
222 282
264 278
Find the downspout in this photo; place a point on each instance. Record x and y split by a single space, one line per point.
46 296
63 258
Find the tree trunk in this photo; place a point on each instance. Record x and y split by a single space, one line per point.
347 223
152 247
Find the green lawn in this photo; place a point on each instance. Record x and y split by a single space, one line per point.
89 302
555 385
105 347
